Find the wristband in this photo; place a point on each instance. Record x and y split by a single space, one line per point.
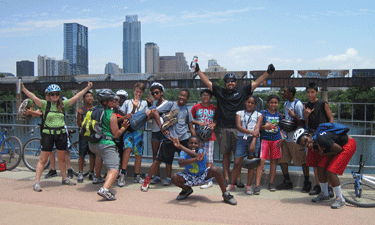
123 127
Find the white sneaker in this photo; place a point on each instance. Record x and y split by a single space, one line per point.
208 185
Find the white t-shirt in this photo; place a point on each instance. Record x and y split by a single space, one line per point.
297 107
248 120
127 107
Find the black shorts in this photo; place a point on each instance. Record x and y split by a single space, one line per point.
167 150
83 147
60 141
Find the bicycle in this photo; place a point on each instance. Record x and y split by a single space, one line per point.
361 190
31 152
10 149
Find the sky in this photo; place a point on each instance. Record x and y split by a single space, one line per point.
242 35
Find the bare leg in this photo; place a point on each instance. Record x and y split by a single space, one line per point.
179 182
41 164
226 164
250 176
259 172
67 160
110 178
155 148
284 168
98 166
273 165
81 159
62 163
169 169
333 179
236 169
316 175
215 172
92 162
52 160
137 164
125 158
305 169
153 168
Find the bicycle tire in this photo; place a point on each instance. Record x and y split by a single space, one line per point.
31 153
12 149
74 154
367 198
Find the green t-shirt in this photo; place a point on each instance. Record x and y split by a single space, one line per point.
54 119
106 128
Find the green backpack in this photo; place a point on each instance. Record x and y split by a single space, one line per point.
92 125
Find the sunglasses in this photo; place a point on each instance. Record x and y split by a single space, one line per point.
230 81
54 93
155 92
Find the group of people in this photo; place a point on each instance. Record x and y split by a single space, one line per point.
237 124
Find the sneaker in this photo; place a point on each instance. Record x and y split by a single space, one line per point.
208 185
91 175
228 198
51 173
68 181
138 179
80 178
330 191
227 182
121 180
155 180
146 182
36 187
184 194
106 194
306 186
172 114
256 190
70 174
316 190
231 187
249 190
168 124
239 184
320 198
286 185
98 180
271 187
167 182
338 203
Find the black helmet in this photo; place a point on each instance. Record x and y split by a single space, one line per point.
205 133
230 76
105 95
288 125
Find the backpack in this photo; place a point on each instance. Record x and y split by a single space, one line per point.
336 128
92 126
3 165
294 109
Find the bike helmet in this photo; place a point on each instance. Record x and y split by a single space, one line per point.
156 85
288 125
230 76
64 98
205 133
122 93
117 97
53 88
105 95
299 133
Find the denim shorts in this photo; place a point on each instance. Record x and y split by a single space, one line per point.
139 119
242 148
157 136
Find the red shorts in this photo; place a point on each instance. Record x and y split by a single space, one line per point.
313 158
337 164
270 150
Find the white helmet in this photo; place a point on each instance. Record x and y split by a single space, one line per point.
157 85
298 134
122 92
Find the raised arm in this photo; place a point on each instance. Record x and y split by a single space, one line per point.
80 94
29 94
204 78
263 77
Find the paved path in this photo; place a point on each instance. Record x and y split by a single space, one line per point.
80 204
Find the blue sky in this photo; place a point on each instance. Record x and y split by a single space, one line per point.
240 34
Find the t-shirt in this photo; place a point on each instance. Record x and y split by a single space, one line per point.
107 127
196 168
184 117
327 139
318 116
248 120
274 119
207 114
128 106
228 103
297 107
54 118
155 127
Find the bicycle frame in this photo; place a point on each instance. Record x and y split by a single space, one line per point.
358 179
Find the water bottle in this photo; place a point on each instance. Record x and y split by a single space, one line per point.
193 63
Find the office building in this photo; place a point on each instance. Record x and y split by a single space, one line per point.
213 66
175 63
131 45
111 68
152 65
25 68
51 67
76 48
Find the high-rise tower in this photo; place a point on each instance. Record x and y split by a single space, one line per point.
76 48
131 45
151 58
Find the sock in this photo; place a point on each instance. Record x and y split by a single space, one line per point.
306 178
136 174
338 192
105 189
286 177
324 188
123 171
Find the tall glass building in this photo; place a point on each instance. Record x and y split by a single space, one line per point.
76 48
131 45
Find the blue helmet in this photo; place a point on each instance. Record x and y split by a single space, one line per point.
52 88
230 76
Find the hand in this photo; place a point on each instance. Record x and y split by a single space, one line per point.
211 126
196 67
200 156
201 123
125 123
149 100
270 69
27 112
176 142
128 116
89 84
252 148
166 133
268 126
291 113
308 111
22 85
280 143
79 111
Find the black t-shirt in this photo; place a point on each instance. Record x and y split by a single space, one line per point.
318 116
327 139
228 103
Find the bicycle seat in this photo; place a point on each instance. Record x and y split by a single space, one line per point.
71 131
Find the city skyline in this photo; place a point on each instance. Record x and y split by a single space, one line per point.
240 35
76 48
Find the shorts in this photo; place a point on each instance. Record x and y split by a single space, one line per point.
313 158
270 150
157 136
292 151
83 147
228 138
60 141
134 140
108 153
138 120
167 151
337 163
209 146
243 146
195 180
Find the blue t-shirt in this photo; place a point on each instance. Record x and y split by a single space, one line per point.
196 168
274 133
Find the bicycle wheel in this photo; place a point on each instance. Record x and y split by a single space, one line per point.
31 153
12 152
74 154
366 198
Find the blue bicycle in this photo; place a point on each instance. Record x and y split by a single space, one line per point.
10 149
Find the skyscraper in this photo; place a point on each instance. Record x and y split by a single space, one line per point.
131 45
111 68
76 48
151 58
25 68
52 67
